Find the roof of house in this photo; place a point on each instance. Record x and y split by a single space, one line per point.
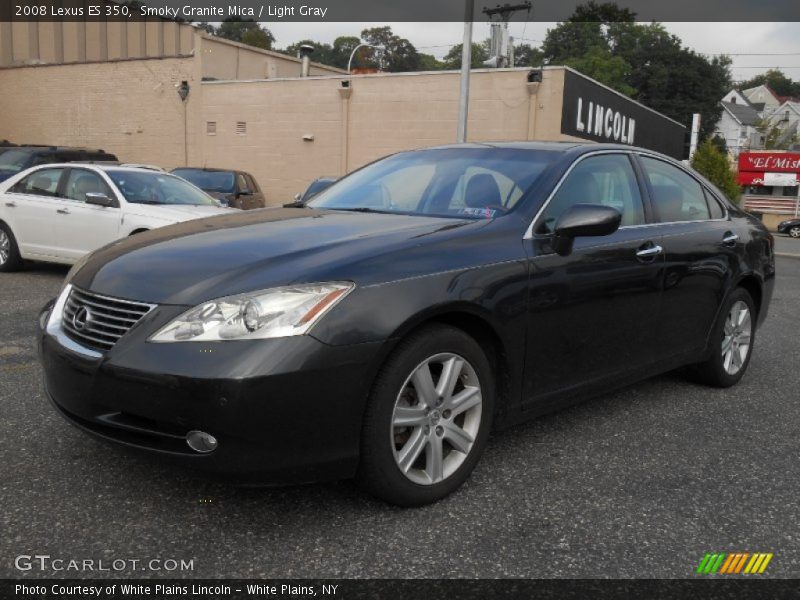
746 115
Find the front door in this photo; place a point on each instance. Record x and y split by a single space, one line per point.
81 227
592 313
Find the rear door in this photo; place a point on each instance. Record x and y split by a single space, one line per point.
700 249
31 205
592 313
83 227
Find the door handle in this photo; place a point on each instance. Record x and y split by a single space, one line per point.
730 239
649 251
11 204
63 211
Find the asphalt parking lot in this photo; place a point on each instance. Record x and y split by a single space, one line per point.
640 483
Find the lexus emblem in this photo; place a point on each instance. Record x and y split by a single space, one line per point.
81 318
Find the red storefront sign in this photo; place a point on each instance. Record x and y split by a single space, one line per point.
772 162
769 168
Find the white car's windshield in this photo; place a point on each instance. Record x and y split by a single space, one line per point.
139 187
461 182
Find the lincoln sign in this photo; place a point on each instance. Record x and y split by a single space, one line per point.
594 112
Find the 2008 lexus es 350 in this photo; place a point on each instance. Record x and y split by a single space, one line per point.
385 329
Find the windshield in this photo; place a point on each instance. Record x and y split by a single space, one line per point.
158 188
14 160
211 181
463 182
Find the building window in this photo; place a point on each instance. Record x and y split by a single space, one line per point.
790 191
241 127
760 190
211 127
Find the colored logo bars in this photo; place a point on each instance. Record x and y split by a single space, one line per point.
734 562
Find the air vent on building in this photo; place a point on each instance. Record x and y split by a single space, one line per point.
211 127
241 127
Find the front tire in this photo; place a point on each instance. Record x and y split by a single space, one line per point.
428 418
732 342
794 231
10 260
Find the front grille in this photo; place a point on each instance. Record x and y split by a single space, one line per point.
99 321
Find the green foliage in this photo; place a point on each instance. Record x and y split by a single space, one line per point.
480 53
399 54
526 55
777 81
709 161
774 136
246 31
643 61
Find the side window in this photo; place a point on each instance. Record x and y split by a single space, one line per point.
251 183
39 183
81 182
241 183
608 179
717 212
676 195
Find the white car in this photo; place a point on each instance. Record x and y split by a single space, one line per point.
60 212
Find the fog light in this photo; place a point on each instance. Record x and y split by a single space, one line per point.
200 441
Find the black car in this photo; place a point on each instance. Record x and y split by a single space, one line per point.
383 331
18 158
236 189
790 227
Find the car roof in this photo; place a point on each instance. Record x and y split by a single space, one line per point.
45 148
98 167
574 147
209 169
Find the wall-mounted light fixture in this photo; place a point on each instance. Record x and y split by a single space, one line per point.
183 90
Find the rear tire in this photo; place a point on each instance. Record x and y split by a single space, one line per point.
10 260
794 231
732 342
419 446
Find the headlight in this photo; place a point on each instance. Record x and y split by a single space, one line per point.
278 312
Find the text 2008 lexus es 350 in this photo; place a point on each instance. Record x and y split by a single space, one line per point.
382 331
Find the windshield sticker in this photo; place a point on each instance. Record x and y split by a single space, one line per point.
484 213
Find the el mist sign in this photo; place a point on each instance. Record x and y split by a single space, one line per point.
594 112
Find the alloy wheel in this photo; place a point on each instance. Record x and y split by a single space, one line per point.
5 247
436 418
795 232
736 338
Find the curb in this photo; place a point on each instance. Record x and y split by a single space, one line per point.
786 255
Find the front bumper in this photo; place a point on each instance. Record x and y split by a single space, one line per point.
282 410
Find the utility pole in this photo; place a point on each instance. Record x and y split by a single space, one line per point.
466 63
502 50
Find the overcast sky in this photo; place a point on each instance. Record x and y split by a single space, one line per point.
780 40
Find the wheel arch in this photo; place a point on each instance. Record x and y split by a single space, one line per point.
475 322
138 230
752 284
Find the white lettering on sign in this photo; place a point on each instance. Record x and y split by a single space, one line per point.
602 121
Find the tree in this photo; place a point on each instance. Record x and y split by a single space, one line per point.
776 80
526 55
246 31
342 48
428 62
398 55
643 61
323 53
480 53
716 167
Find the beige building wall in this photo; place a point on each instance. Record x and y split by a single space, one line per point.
129 108
286 132
224 60
380 115
56 42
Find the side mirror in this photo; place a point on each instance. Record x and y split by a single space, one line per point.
101 199
584 220
297 197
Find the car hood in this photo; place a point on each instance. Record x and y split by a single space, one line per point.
176 213
198 260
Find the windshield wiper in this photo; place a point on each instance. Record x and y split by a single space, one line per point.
361 209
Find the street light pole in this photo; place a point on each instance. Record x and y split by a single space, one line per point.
466 63
363 45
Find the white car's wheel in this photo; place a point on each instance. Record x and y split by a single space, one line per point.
10 259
